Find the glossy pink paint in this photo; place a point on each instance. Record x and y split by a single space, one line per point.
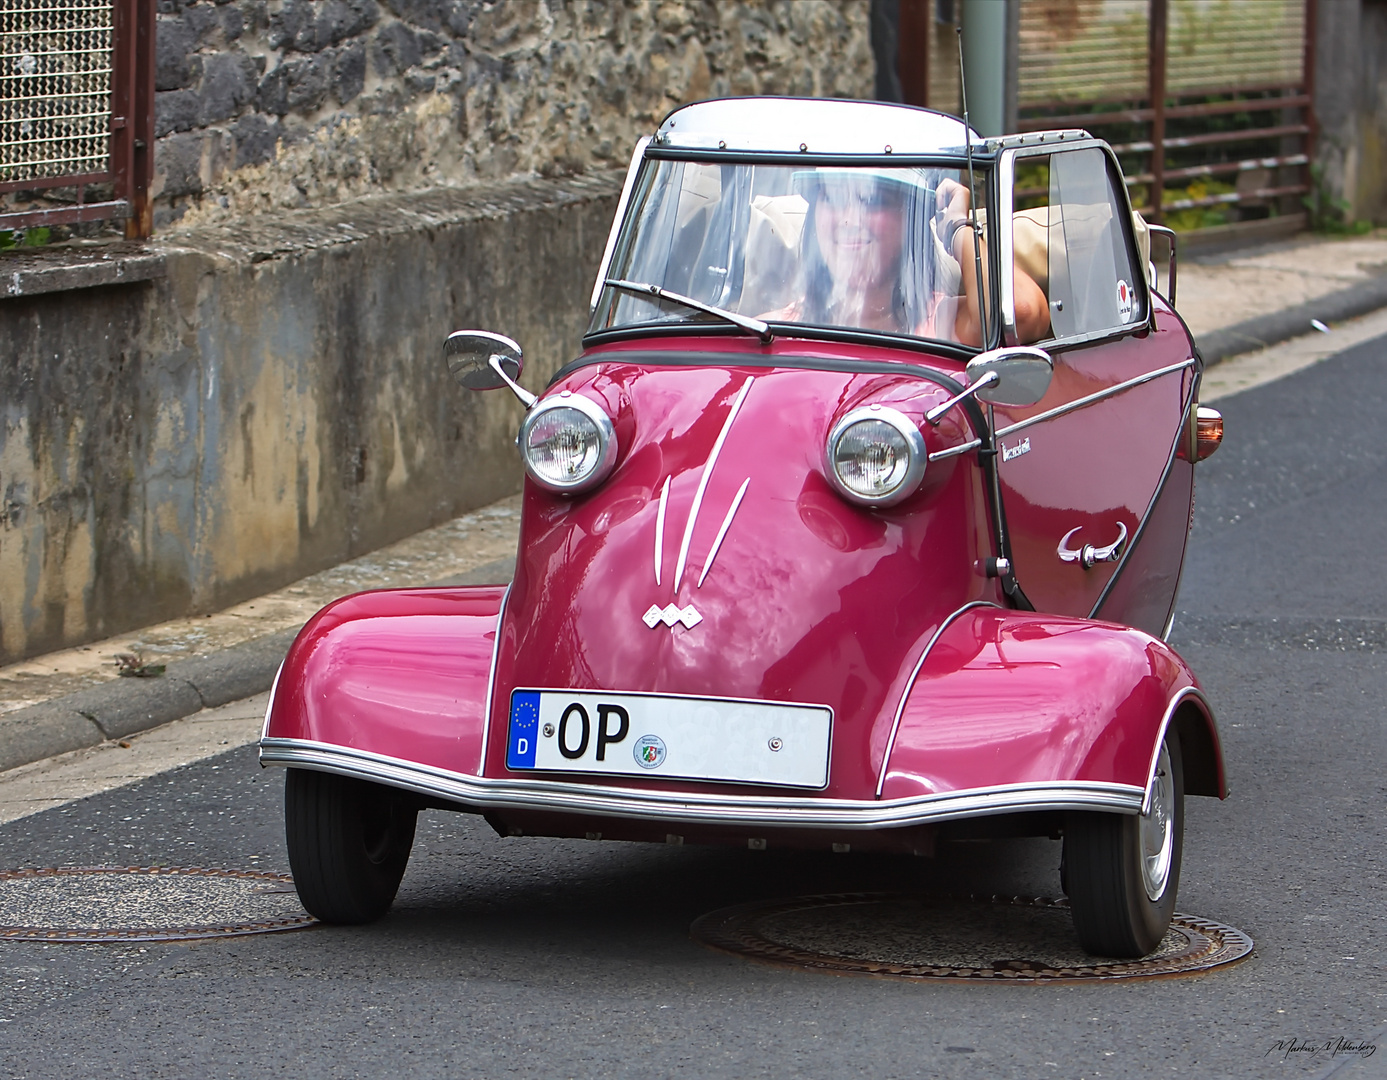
401 672
1009 697
808 599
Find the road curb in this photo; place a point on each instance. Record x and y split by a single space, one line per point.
1253 334
124 707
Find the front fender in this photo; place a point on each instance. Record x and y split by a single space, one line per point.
398 673
1008 697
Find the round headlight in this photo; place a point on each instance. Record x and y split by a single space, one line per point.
876 456
568 443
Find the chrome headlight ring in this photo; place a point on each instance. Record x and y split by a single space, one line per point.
875 456
568 443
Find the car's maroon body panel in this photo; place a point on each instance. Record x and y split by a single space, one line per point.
885 615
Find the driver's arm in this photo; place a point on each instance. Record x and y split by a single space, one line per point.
1032 310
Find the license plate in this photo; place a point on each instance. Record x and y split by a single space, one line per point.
687 738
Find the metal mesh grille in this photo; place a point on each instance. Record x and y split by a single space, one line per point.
55 87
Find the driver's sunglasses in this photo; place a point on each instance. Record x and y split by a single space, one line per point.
865 195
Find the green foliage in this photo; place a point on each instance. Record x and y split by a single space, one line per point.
24 237
1328 214
1197 217
1032 183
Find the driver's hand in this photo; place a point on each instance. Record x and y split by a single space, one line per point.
952 199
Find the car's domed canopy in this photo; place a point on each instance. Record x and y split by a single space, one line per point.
815 125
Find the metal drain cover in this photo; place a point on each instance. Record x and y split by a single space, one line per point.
996 938
144 903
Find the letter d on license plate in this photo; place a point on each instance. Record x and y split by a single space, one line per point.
716 739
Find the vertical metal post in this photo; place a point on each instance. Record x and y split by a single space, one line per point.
1308 77
132 113
985 56
1155 57
141 222
912 57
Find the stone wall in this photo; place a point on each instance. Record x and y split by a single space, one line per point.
266 105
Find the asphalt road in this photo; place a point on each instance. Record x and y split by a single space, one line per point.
529 957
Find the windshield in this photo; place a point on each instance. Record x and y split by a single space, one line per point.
858 248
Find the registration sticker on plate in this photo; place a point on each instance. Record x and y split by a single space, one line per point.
687 738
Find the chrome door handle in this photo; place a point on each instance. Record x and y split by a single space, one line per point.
1087 555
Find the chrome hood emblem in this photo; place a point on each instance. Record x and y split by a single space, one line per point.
689 616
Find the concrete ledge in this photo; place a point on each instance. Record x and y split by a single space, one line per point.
132 705
31 272
235 673
1283 325
40 731
125 707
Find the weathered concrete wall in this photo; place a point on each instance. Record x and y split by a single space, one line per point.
1351 104
276 403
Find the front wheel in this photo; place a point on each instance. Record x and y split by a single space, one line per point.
349 841
1122 871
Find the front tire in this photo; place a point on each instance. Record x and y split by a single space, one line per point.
349 842
1122 871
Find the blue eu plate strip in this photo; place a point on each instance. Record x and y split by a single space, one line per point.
524 729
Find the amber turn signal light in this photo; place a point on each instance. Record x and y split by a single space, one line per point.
1208 432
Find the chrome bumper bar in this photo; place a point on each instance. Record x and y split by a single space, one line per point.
482 793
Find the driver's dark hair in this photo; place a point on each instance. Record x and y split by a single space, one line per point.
914 282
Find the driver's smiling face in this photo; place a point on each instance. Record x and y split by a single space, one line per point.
860 228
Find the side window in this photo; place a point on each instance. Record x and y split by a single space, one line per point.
1068 237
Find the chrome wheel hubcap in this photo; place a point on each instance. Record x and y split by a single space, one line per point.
1158 830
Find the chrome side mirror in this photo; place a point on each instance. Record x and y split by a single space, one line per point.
480 360
1022 375
1013 375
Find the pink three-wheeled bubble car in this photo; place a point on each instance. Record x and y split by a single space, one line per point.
858 523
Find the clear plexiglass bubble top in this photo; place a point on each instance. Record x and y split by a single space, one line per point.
858 248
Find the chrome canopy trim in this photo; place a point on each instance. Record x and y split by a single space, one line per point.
811 125
637 156
1092 399
696 808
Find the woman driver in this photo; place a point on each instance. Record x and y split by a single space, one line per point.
874 255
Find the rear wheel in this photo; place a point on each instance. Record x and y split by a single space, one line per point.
349 842
1122 871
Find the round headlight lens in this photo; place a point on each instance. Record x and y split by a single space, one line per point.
876 455
568 443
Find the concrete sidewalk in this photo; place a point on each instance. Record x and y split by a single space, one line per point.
73 699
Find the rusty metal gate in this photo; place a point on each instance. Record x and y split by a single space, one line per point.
1206 101
76 111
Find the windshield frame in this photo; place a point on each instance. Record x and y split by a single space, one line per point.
637 191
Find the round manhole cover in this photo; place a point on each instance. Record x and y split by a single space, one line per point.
144 903
996 938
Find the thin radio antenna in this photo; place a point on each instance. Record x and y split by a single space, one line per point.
972 188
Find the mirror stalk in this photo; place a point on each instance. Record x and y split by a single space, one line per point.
938 413
526 398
